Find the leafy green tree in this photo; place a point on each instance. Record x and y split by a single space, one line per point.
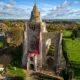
67 74
8 23
3 27
16 34
78 33
75 33
73 36
1 44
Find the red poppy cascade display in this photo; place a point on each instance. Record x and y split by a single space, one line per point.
36 51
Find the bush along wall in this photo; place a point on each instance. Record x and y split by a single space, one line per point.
75 34
51 50
64 49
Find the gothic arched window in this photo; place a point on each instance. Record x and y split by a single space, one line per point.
33 42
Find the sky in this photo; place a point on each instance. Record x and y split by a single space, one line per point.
49 9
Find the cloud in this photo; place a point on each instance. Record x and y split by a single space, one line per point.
9 4
44 8
6 5
74 12
75 2
11 10
64 5
12 2
63 10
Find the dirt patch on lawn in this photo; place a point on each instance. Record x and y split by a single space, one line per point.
5 60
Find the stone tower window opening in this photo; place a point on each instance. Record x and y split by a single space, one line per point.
49 61
31 67
31 59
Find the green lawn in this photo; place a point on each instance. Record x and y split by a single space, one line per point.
15 66
73 52
73 47
67 33
16 72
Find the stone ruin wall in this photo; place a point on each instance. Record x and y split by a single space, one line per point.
54 37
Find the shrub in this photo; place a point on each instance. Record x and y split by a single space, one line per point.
1 44
78 33
64 49
51 50
75 33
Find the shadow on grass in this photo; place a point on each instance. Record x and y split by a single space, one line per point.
16 53
76 69
40 76
66 37
15 67
15 78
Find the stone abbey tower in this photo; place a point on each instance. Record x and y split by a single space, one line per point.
36 44
32 41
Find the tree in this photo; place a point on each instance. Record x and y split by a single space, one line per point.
78 33
67 73
75 33
16 34
73 36
3 27
50 27
8 23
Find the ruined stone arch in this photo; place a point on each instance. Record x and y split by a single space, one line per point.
55 41
49 61
31 66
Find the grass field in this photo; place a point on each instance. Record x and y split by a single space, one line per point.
73 51
73 47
